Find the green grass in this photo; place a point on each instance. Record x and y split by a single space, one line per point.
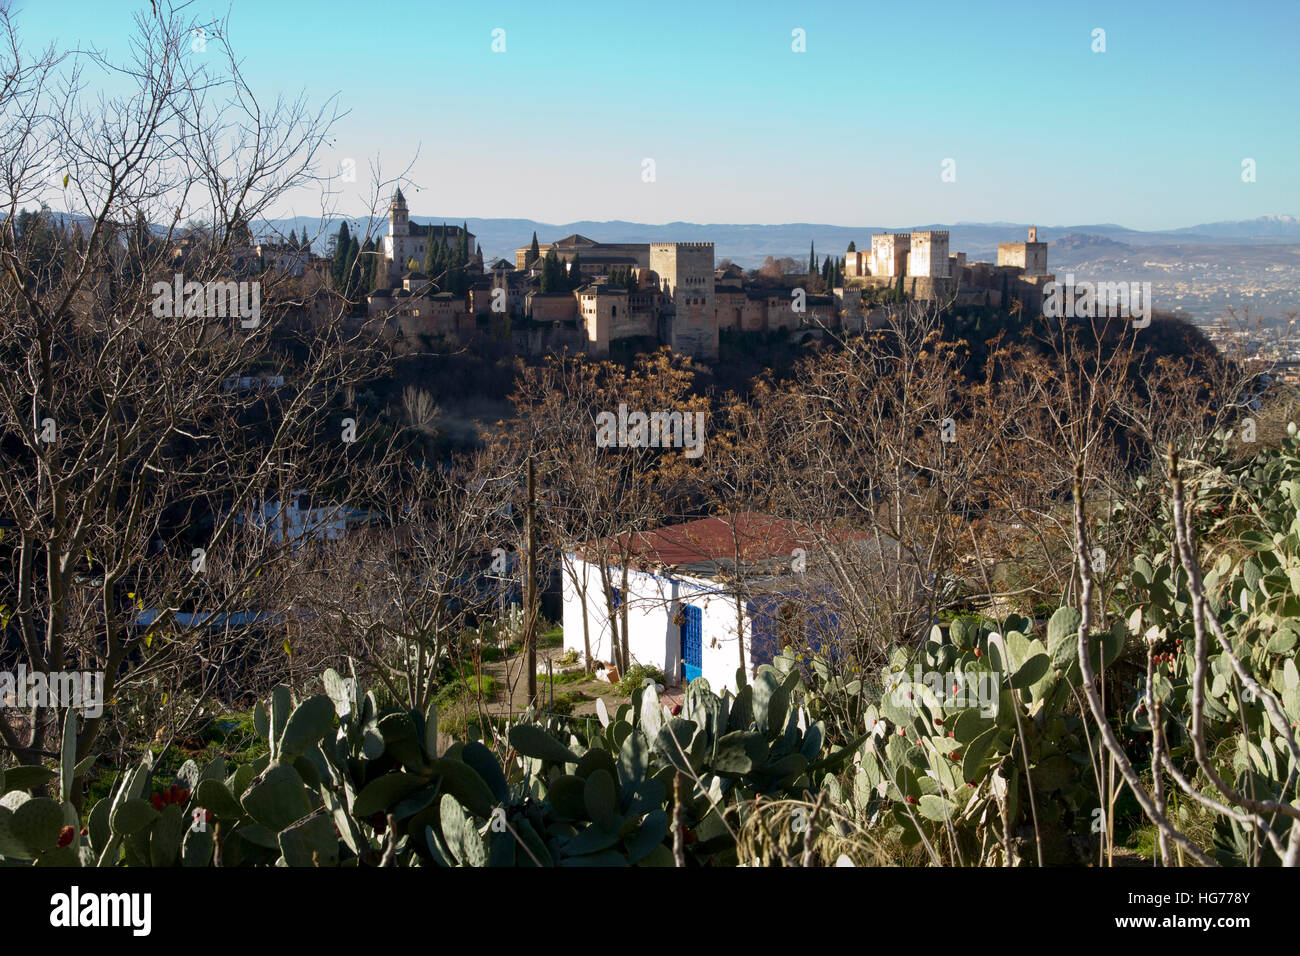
565 703
485 685
462 721
1142 840
455 715
491 655
467 685
573 677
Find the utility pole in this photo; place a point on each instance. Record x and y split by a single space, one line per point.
530 584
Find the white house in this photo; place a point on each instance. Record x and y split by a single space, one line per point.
265 381
301 520
681 612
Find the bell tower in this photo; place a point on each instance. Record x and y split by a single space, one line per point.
399 223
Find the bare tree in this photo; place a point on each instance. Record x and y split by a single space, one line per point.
422 412
400 592
143 475
872 448
596 500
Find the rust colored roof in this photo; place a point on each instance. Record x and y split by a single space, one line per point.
751 536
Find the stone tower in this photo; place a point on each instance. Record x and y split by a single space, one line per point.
399 220
686 279
1031 256
403 243
889 251
928 255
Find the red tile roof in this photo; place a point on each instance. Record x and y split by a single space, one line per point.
757 537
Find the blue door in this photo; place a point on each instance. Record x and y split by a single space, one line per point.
692 644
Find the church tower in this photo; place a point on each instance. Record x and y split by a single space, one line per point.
396 244
399 223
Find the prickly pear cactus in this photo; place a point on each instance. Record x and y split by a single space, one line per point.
962 733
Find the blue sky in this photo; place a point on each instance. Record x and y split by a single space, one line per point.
1149 134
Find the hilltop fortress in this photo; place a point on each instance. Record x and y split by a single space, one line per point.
920 265
674 294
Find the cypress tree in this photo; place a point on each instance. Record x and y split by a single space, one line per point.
338 270
379 271
351 268
552 272
453 262
446 259
533 252
853 246
368 263
812 258
431 256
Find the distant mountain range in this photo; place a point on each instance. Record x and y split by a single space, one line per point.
749 244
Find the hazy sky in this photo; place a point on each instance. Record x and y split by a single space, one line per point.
1149 134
